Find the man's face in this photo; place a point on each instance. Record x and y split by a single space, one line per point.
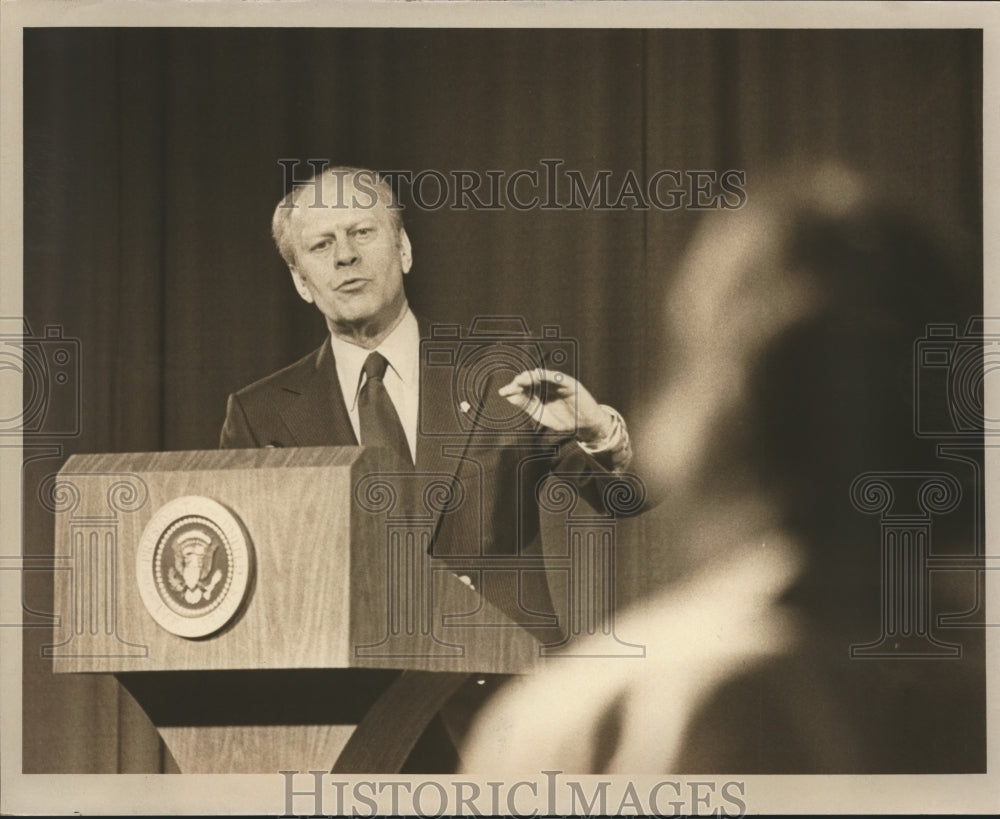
349 260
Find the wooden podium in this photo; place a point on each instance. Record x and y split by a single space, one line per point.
316 586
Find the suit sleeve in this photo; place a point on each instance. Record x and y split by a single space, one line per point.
236 431
610 492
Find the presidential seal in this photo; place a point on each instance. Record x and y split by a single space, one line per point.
193 566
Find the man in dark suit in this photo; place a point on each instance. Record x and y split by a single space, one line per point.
343 240
349 257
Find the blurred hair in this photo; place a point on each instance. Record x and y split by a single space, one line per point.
794 323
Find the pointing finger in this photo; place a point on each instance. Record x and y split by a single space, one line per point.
521 383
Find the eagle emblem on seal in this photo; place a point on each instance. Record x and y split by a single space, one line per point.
193 566
192 574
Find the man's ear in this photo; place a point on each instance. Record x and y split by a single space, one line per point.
405 251
300 284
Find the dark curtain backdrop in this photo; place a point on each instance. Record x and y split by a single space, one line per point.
151 171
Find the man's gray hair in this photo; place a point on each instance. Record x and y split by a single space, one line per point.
362 180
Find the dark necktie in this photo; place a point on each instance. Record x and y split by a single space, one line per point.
380 424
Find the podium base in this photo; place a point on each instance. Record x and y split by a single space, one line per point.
351 720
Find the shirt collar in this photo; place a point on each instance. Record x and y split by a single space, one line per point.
401 349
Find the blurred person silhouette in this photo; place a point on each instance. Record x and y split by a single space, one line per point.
791 329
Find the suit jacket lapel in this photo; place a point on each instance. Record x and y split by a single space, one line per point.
316 414
448 453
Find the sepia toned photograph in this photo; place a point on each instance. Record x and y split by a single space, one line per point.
413 409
